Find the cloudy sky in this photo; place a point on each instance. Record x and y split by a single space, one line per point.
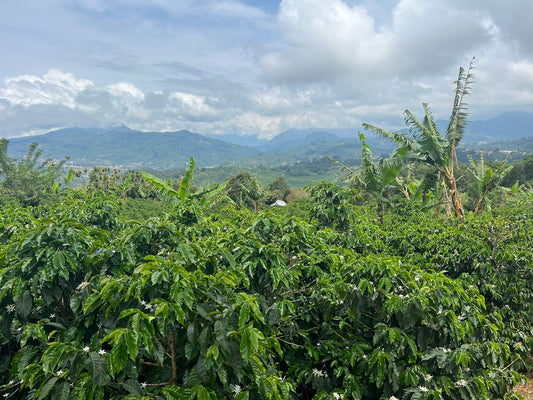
256 67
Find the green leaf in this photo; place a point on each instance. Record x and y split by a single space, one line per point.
24 304
58 259
244 315
246 345
186 182
133 387
70 175
35 331
243 396
159 183
52 355
62 392
212 351
176 393
131 344
98 367
202 393
45 389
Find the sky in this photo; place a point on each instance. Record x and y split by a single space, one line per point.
256 67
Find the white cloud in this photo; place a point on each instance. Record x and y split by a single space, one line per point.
55 87
523 71
237 66
329 40
125 89
326 40
189 104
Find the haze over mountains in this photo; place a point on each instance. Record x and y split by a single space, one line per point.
126 148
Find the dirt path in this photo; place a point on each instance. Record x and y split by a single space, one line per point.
526 391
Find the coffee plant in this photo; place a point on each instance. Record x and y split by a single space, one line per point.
262 305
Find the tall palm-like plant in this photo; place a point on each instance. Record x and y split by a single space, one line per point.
484 179
377 176
427 145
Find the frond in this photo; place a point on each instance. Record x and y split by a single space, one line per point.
457 122
389 169
432 147
184 190
400 139
429 121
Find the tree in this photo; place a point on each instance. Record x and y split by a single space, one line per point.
427 145
26 180
484 180
280 188
376 177
244 190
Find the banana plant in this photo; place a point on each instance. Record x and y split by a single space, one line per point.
189 205
427 145
485 179
377 176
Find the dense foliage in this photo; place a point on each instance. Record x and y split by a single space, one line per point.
254 305
107 294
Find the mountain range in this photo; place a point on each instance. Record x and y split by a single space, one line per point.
129 149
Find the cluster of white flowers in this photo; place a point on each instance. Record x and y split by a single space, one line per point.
319 373
423 389
428 377
236 389
443 349
461 383
393 398
60 372
338 395
148 306
86 349
10 308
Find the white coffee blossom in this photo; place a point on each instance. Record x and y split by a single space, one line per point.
86 349
428 377
338 395
60 372
319 373
236 389
461 383
10 308
423 389
101 352
143 385
393 398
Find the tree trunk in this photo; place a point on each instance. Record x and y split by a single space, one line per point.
456 200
